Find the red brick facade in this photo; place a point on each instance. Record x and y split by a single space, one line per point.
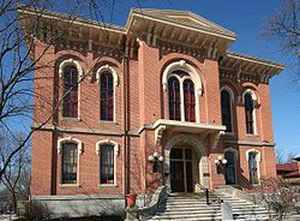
141 126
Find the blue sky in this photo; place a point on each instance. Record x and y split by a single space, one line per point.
246 19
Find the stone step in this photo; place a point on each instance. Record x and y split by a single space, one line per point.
187 216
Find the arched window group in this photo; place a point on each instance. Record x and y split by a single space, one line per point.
227 110
181 97
70 71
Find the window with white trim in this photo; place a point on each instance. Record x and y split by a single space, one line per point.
181 96
70 149
107 150
182 83
249 110
108 80
69 163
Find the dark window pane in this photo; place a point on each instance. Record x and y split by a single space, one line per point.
174 99
230 175
69 163
226 110
188 154
70 100
249 108
106 164
176 153
189 100
106 96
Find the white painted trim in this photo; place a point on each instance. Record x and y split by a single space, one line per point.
116 153
255 103
232 99
114 73
59 147
258 160
193 76
236 157
70 62
75 63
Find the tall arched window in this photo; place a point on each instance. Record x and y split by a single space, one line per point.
181 97
189 100
70 90
226 110
174 99
106 96
249 111
107 164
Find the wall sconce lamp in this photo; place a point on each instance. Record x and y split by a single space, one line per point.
156 160
220 164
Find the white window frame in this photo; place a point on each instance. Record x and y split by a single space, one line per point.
236 157
258 160
255 103
116 153
62 66
193 76
110 69
60 143
232 99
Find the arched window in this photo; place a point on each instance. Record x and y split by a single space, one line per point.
189 100
106 96
181 97
174 99
249 112
183 84
253 160
69 163
70 90
230 171
226 110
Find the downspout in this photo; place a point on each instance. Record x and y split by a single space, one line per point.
125 115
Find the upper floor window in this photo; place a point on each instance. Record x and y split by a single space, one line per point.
181 97
226 106
183 84
106 96
70 91
174 99
249 112
108 80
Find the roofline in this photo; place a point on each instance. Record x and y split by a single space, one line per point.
77 20
257 60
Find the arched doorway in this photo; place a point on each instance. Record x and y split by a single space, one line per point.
181 169
185 162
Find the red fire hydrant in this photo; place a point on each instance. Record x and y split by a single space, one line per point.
130 199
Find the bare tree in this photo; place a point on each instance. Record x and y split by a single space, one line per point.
284 27
19 60
16 178
279 195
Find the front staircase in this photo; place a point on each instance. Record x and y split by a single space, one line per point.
193 207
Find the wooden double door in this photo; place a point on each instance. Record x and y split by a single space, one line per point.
181 169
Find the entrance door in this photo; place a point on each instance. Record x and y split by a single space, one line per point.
181 170
253 168
230 175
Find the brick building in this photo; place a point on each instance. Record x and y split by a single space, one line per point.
159 101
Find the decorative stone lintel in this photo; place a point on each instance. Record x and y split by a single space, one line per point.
159 133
